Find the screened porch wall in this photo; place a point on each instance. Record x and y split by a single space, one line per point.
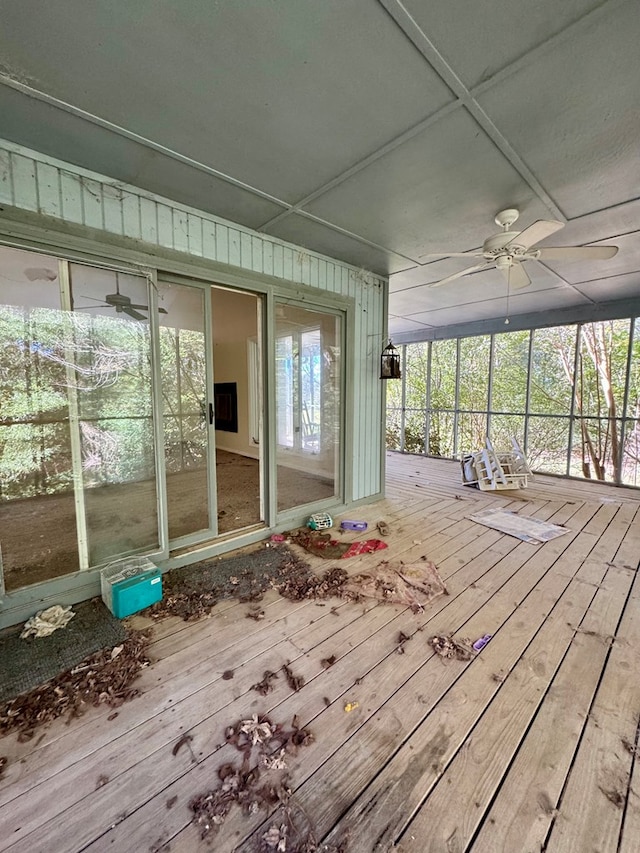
569 394
40 184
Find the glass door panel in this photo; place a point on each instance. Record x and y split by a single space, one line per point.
185 408
308 405
38 533
237 369
111 404
77 461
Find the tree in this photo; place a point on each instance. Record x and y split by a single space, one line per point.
598 387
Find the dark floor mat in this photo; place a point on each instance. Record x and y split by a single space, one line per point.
33 661
192 591
238 575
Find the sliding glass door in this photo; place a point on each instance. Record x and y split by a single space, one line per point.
308 405
131 414
210 368
38 533
111 412
78 479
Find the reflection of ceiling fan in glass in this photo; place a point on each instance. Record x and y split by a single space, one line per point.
121 303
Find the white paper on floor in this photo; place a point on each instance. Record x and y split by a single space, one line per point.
521 526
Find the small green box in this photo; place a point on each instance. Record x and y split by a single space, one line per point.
134 594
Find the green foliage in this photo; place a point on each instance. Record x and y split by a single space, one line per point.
473 392
443 374
510 368
56 363
581 377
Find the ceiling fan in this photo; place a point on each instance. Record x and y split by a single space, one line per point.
121 303
507 250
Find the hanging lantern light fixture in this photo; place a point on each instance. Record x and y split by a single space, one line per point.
390 362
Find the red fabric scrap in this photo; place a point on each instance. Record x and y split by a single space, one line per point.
364 547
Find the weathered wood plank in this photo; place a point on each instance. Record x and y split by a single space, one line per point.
600 775
360 757
454 810
379 648
527 802
401 787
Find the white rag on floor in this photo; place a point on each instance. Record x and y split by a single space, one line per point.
47 621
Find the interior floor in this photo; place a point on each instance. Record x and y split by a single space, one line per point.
530 745
39 537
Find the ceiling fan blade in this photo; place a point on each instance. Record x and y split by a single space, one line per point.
459 274
577 253
126 309
536 232
146 308
516 276
90 307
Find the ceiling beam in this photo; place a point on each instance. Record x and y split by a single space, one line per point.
618 310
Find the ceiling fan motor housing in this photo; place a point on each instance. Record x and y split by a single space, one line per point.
495 245
503 262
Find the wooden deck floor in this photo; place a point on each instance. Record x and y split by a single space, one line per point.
530 746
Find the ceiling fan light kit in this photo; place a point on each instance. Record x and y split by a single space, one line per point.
507 250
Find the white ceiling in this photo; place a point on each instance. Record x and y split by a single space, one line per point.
375 131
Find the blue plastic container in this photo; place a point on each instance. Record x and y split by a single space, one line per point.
134 594
130 584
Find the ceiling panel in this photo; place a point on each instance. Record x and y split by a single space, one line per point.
412 198
403 325
475 287
572 114
421 276
603 225
486 35
267 92
539 274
